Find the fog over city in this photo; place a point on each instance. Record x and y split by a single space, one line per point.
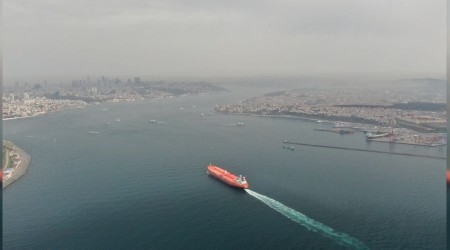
49 38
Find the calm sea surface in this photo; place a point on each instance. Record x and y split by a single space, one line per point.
142 185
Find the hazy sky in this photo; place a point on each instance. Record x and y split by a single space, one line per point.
223 38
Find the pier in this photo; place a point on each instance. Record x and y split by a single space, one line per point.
364 150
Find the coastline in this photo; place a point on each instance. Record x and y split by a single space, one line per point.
20 169
357 126
280 116
19 117
409 143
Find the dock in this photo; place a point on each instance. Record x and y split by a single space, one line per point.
433 140
364 150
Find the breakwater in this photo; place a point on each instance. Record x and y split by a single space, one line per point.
364 150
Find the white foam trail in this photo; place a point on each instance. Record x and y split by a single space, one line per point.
310 224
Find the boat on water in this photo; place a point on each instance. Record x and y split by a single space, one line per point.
289 147
370 135
240 124
227 177
153 121
93 132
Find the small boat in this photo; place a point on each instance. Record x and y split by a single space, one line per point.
93 132
153 121
202 114
117 120
240 124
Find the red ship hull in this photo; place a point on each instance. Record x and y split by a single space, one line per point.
227 177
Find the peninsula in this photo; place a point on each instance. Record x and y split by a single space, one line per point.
15 163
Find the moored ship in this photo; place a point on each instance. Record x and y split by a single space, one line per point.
227 177
370 135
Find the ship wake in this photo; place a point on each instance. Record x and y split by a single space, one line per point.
310 224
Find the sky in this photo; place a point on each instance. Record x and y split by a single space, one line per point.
209 38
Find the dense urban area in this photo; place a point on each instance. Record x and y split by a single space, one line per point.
23 99
405 111
419 110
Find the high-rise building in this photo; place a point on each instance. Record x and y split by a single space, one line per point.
137 80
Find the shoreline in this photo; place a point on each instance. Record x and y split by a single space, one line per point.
20 117
20 169
409 143
280 116
332 122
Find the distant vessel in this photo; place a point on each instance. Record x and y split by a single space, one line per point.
117 120
153 121
289 147
93 132
240 124
370 135
202 114
448 177
227 177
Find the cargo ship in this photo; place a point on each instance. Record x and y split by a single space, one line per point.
227 177
448 177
